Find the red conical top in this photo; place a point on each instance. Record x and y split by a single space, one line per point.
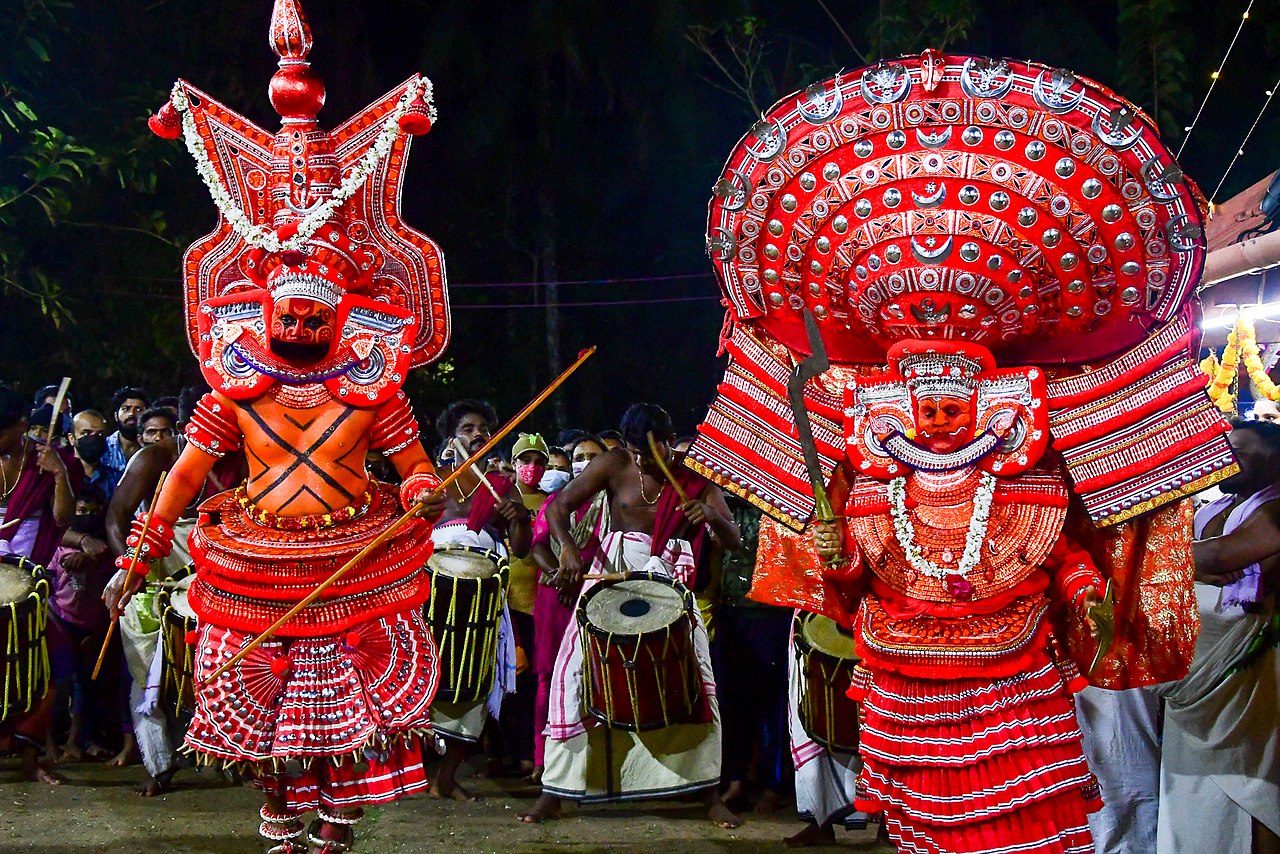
290 32
296 92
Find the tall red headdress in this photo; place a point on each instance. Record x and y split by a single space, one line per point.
958 198
313 213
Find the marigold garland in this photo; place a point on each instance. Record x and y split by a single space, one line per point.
1251 355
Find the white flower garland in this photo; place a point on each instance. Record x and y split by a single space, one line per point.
262 236
973 540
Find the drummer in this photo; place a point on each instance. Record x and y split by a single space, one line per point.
473 517
36 505
652 531
156 734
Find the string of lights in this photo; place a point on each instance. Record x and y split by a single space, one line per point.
1213 79
1240 149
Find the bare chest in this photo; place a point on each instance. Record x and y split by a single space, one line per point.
325 434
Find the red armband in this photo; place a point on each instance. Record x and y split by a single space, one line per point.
394 427
1073 571
153 544
213 428
416 484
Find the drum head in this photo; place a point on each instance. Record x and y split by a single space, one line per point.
15 584
825 635
634 607
464 561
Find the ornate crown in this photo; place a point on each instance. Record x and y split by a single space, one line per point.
330 196
307 285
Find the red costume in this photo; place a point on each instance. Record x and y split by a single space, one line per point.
307 306
944 215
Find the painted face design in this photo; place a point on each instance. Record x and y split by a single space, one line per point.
943 423
303 321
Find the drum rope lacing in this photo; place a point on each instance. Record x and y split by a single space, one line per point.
36 661
590 641
471 638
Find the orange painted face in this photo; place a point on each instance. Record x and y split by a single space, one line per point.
943 423
302 329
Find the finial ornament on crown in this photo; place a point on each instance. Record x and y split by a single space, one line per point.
313 214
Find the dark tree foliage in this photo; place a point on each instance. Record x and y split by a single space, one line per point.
577 140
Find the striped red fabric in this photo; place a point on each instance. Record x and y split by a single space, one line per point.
976 765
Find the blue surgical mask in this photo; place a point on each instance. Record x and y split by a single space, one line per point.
553 480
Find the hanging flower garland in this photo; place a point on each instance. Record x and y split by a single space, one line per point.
263 237
973 540
1251 355
1224 375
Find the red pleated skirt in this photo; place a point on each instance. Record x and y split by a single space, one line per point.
975 766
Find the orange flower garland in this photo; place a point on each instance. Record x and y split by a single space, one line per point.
1252 358
1224 375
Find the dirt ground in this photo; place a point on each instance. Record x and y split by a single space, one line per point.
96 810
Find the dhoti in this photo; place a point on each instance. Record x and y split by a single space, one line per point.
1220 766
158 734
825 779
592 763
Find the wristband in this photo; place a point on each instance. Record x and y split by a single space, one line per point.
415 483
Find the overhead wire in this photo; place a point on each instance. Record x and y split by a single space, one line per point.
1213 79
1240 148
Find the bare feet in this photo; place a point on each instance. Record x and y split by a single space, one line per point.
545 808
127 755
813 834
71 753
156 785
33 769
97 753
452 789
719 813
769 802
734 792
535 776
327 838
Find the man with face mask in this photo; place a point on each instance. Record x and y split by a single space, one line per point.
553 605
127 403
89 440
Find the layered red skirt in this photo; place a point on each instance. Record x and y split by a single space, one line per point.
973 765
333 721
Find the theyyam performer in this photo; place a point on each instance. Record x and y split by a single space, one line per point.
982 271
307 305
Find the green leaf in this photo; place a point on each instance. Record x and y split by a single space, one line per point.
38 49
24 109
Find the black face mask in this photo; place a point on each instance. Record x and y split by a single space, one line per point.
93 524
91 448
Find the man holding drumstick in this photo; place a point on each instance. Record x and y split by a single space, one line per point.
658 525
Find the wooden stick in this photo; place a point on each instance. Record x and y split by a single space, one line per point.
662 464
53 425
128 582
57 407
457 444
409 515
606 576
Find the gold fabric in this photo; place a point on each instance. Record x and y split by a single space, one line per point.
1148 560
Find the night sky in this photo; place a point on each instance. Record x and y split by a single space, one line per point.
602 114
